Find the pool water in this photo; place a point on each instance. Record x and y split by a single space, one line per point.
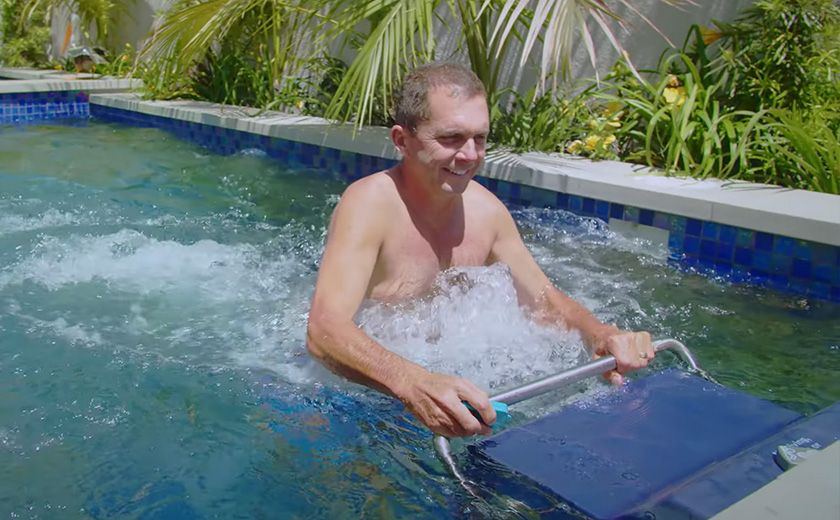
153 300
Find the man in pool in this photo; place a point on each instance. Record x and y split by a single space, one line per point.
394 231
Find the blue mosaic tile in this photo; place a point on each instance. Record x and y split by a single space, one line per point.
707 248
563 200
762 260
763 241
781 264
631 214
745 238
783 246
709 230
675 242
822 273
691 245
602 210
693 227
646 217
801 268
677 224
588 206
724 252
617 211
34 107
575 203
661 221
727 234
743 256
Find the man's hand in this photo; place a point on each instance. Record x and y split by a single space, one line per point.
631 350
436 400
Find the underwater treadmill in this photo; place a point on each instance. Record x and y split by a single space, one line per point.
669 445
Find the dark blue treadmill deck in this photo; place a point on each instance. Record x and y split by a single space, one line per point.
671 445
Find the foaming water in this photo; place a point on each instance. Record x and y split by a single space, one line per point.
153 306
472 326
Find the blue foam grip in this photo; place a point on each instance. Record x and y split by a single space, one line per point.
502 414
613 456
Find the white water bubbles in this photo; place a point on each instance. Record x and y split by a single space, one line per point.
471 325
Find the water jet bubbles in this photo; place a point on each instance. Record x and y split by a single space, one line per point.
471 325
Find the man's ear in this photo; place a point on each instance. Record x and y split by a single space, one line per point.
398 136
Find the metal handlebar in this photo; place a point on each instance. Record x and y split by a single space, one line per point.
565 378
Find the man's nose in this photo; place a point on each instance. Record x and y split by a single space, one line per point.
469 151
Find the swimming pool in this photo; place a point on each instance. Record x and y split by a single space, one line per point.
154 300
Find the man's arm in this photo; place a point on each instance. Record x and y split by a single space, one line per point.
356 233
632 350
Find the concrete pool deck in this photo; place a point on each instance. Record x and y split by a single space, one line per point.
34 80
809 491
798 214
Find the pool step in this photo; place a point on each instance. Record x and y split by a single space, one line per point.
669 445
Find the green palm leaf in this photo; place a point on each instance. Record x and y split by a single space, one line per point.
559 24
402 35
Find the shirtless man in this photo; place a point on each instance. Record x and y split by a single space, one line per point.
394 231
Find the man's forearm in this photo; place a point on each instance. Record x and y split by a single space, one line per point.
348 351
555 306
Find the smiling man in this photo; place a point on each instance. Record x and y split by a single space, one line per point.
394 231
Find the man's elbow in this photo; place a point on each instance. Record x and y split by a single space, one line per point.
319 330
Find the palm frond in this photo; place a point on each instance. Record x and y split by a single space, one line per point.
401 36
560 24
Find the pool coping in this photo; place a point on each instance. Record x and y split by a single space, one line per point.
22 81
794 213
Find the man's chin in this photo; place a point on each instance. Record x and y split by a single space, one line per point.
456 185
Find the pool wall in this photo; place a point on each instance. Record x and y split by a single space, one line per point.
787 240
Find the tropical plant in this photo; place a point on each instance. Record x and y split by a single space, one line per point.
799 150
679 123
577 123
22 45
397 35
100 14
780 54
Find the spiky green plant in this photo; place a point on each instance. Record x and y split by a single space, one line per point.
101 14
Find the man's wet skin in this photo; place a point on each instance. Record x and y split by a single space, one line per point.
393 232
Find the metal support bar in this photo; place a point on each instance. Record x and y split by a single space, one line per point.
565 378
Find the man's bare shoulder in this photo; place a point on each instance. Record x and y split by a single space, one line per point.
377 191
485 202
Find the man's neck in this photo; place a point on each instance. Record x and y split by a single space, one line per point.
425 200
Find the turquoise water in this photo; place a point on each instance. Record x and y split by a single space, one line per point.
153 301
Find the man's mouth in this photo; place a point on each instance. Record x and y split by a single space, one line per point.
459 173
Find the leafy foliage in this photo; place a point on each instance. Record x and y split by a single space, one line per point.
781 54
23 45
97 13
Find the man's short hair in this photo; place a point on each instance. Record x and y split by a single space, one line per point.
411 100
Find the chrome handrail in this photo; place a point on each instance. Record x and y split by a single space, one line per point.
565 378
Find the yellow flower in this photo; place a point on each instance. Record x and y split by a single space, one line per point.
593 124
710 35
610 139
673 81
591 142
614 107
575 146
614 124
674 95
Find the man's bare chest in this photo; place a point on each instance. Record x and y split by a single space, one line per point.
409 260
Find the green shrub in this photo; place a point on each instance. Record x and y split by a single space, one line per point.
781 54
23 45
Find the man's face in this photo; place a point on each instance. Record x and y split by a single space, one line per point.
449 147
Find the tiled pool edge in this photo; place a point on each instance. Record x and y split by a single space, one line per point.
773 249
695 241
